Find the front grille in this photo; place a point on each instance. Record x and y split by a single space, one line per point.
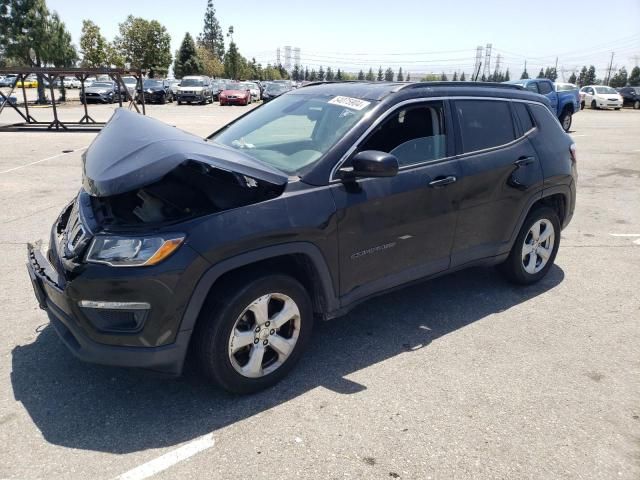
75 235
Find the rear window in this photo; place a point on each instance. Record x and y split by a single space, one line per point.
484 124
522 112
544 87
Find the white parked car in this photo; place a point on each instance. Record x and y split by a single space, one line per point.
600 96
71 82
254 89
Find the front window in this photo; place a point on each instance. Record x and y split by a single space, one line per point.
605 90
293 132
191 82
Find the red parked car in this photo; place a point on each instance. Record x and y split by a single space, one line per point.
234 94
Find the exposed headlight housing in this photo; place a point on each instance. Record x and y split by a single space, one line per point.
118 251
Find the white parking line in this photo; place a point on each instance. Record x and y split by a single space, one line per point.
168 460
43 160
625 234
579 135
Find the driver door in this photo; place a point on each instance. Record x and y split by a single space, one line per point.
397 229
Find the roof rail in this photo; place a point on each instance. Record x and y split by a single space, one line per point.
464 84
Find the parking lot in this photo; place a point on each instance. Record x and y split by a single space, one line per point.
465 376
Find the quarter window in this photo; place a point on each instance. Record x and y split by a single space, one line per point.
484 123
522 112
414 134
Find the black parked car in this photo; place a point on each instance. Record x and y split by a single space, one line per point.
103 91
630 96
274 90
300 209
155 91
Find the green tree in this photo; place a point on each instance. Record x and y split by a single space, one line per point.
408 77
525 74
31 35
210 64
400 75
541 74
295 74
389 75
306 73
443 77
93 45
463 77
634 77
573 78
551 74
582 77
212 37
313 76
340 75
455 77
233 62
370 77
360 75
380 75
145 44
114 57
330 76
483 78
321 74
507 76
590 78
61 52
619 79
187 61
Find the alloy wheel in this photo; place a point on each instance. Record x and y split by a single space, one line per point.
538 246
264 335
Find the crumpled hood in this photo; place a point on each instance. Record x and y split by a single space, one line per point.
133 151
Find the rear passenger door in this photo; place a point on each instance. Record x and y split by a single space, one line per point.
500 172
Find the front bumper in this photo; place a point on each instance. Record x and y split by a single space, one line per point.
608 104
55 301
234 100
190 97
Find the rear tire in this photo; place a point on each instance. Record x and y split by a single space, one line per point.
617 108
267 346
531 258
566 119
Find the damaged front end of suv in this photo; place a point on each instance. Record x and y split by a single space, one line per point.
120 268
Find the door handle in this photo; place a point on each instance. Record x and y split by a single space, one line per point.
524 161
441 182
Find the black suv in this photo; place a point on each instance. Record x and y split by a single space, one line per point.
630 96
302 208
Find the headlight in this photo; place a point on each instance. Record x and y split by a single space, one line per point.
132 251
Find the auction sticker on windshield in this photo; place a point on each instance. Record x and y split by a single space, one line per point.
349 102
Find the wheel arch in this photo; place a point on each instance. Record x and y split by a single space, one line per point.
301 260
557 197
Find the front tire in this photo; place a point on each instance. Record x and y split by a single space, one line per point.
535 248
252 334
593 105
636 105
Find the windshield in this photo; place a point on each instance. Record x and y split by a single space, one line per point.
565 87
102 84
232 86
276 88
191 82
293 132
605 90
152 83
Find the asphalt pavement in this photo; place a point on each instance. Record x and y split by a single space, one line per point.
465 376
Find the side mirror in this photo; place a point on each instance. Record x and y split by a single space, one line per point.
371 163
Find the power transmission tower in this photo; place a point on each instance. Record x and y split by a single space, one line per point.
287 57
478 64
487 61
635 59
296 56
498 63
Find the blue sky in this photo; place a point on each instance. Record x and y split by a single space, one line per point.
419 35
